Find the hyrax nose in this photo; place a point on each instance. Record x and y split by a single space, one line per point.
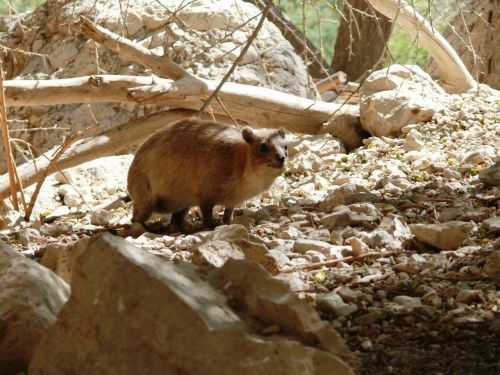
281 159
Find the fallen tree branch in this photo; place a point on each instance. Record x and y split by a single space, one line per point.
454 75
86 89
258 106
283 109
105 143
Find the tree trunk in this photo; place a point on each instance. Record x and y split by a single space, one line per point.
361 39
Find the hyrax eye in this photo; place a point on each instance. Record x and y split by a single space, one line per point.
263 148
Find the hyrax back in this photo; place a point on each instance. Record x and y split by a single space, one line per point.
202 163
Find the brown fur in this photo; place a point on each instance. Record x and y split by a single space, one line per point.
201 163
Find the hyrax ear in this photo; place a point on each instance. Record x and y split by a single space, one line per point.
248 135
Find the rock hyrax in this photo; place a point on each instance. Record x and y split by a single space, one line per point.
202 163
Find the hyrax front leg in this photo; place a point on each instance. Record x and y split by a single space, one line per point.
178 217
228 215
207 211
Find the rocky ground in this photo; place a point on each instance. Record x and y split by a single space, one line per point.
395 243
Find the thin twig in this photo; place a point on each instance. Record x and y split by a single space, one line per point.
88 132
240 57
224 108
31 130
320 32
19 185
67 142
22 52
334 262
6 144
304 30
23 153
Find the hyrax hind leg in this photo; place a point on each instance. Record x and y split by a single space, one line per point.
207 211
178 217
228 215
140 192
142 210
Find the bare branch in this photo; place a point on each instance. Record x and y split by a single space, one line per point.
335 262
128 50
270 108
43 175
11 166
87 89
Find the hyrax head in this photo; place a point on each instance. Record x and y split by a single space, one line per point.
268 147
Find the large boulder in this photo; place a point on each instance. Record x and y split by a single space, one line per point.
204 37
267 301
31 296
397 96
131 312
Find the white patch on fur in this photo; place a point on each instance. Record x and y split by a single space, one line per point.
255 182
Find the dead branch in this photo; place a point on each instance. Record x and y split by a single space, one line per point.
128 50
318 265
11 166
43 175
160 65
453 73
334 262
109 142
87 89
270 108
